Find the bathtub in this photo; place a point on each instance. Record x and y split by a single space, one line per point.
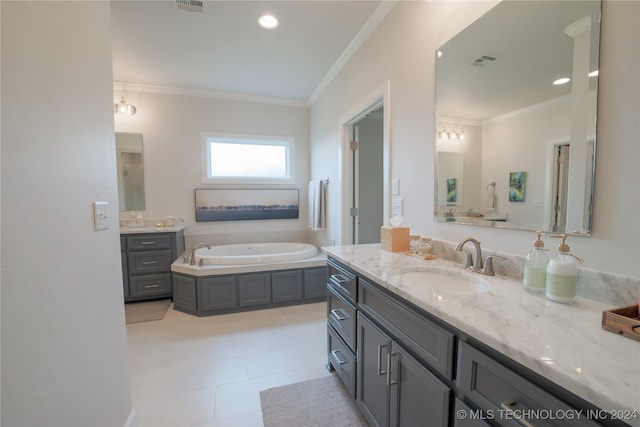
250 257
255 253
253 276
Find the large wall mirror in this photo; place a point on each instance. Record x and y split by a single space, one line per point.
130 162
516 98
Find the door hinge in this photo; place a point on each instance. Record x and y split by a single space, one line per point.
353 212
353 145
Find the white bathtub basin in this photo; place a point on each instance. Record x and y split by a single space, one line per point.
255 253
444 280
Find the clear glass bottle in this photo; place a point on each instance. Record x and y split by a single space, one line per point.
535 267
414 243
424 248
562 274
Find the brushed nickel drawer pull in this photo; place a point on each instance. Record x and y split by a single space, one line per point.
151 286
148 243
508 406
340 278
380 347
336 314
389 382
335 354
149 262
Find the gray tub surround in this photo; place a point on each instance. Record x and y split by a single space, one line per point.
218 289
564 344
147 253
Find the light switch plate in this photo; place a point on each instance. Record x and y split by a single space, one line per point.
395 186
396 206
100 216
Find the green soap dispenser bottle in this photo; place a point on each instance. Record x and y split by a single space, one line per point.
535 267
562 274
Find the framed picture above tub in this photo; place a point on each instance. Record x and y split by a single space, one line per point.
241 204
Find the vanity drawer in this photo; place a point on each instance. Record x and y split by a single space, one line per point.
342 316
427 340
149 262
344 281
342 359
499 391
150 285
146 242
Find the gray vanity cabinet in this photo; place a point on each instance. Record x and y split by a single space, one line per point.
503 394
394 389
417 396
405 373
146 259
372 391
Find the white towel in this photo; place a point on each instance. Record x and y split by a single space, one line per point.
317 211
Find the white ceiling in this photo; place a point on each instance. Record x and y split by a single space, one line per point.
223 50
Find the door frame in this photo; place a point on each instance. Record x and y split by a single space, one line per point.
381 97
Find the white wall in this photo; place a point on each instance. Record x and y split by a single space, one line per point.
172 125
64 345
402 50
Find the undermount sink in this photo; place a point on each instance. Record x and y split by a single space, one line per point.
444 280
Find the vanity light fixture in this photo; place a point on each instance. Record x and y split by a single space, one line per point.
123 108
268 21
594 73
453 134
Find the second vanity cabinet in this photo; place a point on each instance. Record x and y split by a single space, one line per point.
146 263
411 369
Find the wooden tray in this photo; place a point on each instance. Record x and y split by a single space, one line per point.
425 257
624 321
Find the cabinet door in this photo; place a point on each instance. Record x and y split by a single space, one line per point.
254 289
315 284
216 293
286 286
417 396
372 391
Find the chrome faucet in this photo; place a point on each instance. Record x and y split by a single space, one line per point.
477 267
477 260
193 253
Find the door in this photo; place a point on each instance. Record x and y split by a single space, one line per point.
417 396
368 180
371 390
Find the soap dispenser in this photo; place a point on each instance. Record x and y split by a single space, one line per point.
535 267
562 274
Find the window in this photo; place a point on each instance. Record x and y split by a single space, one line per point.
247 159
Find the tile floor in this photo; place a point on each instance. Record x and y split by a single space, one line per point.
208 371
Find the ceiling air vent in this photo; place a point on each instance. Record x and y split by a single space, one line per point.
483 60
191 5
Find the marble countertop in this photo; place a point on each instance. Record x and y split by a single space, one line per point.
564 343
150 229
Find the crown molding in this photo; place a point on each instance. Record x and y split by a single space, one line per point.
204 93
372 23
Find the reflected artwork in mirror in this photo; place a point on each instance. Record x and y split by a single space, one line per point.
129 155
517 91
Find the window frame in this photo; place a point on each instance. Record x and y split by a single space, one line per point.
286 141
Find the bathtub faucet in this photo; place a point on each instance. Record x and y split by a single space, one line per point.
193 253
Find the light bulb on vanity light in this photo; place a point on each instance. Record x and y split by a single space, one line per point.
123 108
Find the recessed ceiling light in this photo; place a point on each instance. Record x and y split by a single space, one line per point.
439 54
594 73
268 21
562 81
